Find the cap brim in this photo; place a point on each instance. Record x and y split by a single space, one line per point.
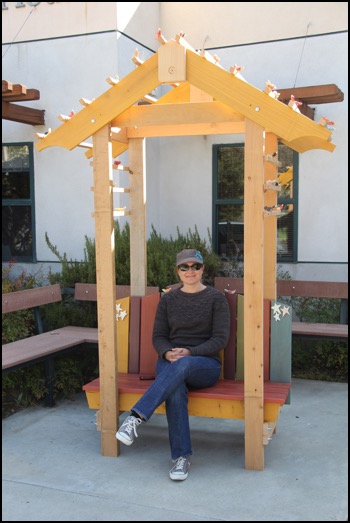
191 259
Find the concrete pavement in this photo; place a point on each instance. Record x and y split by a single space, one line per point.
53 469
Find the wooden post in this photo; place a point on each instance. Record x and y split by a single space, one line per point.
253 295
106 299
138 245
270 223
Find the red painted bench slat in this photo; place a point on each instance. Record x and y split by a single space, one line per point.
224 389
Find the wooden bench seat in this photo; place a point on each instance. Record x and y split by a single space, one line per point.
330 331
223 400
226 398
42 346
45 346
37 348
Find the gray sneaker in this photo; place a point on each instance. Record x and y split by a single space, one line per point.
127 432
179 472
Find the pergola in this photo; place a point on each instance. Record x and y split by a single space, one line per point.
18 113
205 99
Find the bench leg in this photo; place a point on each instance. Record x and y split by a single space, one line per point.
269 428
50 379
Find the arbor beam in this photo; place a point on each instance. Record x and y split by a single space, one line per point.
20 114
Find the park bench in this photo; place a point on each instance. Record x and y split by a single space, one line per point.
42 346
306 289
45 346
137 361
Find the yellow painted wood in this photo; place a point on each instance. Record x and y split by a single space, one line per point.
270 222
180 93
206 407
117 149
119 135
101 111
215 408
93 399
127 401
138 239
197 95
271 412
307 143
105 279
123 322
269 113
186 130
176 114
171 63
294 129
253 293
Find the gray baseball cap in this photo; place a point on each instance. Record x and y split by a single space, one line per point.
189 255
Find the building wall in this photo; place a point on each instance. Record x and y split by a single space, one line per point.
68 49
223 24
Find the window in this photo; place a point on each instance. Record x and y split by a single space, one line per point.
228 202
18 238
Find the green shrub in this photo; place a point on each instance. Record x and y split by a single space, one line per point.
25 387
161 255
320 360
73 371
73 271
323 360
20 324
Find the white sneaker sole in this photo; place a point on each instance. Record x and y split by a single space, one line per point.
178 477
123 439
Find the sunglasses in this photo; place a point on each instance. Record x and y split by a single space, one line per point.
195 267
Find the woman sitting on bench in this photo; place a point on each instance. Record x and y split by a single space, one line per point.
191 328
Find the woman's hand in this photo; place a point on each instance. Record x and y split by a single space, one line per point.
177 353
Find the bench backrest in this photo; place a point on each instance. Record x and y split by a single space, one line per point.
135 348
277 340
30 298
88 291
136 354
307 289
134 334
298 288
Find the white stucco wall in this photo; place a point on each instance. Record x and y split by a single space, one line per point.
222 24
323 179
179 170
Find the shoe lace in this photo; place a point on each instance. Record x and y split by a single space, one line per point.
180 463
130 425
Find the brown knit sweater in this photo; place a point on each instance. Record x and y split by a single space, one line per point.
197 321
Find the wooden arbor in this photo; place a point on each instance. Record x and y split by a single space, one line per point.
205 99
19 113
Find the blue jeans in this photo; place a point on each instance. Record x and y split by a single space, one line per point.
171 385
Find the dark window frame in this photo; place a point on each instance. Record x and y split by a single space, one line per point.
18 202
217 202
